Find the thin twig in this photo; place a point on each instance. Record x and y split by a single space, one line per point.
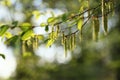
78 15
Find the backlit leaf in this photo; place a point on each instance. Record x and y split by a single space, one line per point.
85 4
79 24
25 26
40 37
27 35
36 14
50 42
46 28
14 24
2 55
81 9
51 19
11 40
43 24
64 17
6 2
3 29
8 35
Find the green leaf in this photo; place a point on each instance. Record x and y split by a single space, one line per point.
6 3
50 42
25 26
36 14
43 24
2 55
27 35
11 40
51 19
46 28
8 35
14 24
79 24
81 9
40 37
64 17
3 29
85 4
46 40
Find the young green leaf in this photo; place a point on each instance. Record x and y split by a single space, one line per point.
40 37
50 42
86 4
46 28
64 17
36 14
51 19
2 55
3 29
11 40
79 24
6 3
25 26
43 24
8 35
14 24
27 35
81 9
